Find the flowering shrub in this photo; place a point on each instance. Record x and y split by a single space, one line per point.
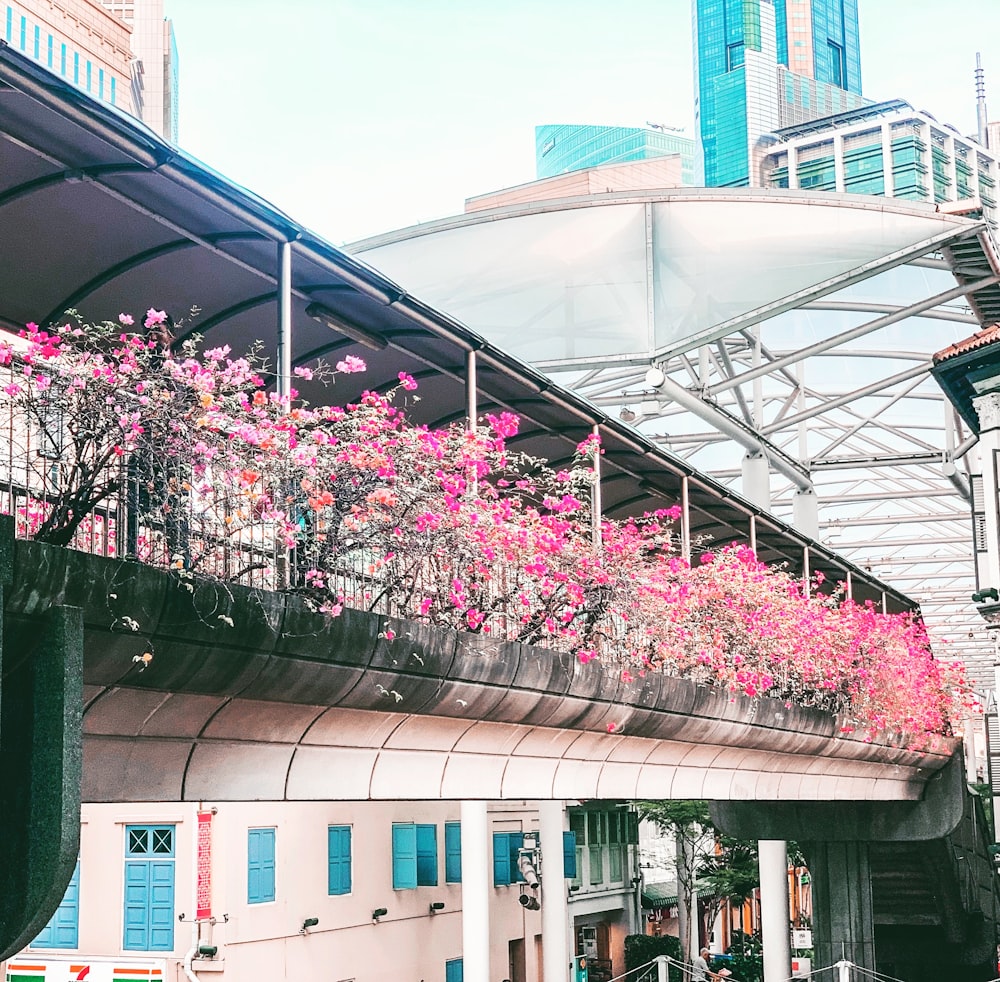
183 458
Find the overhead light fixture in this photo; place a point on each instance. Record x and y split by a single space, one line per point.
335 322
308 923
379 912
436 906
627 415
655 376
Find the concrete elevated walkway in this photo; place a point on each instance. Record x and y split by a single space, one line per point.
288 705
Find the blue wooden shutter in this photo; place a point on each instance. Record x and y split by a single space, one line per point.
404 856
161 906
427 856
501 859
452 852
569 855
62 931
454 971
260 866
136 906
339 845
149 888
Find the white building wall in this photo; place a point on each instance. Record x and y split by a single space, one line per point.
265 940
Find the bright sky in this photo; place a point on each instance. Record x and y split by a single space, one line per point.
360 116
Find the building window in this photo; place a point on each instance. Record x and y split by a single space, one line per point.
10 23
149 888
90 68
38 43
414 856
836 64
505 847
114 98
452 852
735 56
569 855
260 866
62 931
24 33
453 970
49 51
339 853
76 67
62 59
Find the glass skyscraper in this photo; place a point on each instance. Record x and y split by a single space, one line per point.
561 148
761 65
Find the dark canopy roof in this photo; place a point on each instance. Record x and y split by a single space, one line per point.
101 215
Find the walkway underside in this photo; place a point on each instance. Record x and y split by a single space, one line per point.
288 704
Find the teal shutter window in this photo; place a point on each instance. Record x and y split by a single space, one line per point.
404 856
427 856
501 859
339 850
452 852
149 888
453 970
62 931
569 855
260 866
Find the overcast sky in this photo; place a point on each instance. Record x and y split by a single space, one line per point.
360 116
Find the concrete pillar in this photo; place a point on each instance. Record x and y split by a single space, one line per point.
476 887
805 513
555 909
757 480
774 912
843 923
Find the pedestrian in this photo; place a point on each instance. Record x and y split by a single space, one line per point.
701 972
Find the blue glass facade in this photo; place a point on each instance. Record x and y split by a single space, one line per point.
739 46
561 148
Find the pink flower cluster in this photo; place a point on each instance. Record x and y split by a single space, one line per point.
450 526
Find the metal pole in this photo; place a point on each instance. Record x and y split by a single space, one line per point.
596 506
284 366
471 401
753 534
685 521
662 968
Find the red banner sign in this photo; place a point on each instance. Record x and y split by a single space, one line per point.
204 891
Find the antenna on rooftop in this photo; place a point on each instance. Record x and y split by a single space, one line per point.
981 101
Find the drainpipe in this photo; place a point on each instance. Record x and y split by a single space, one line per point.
192 951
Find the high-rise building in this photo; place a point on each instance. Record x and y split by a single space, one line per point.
761 65
888 149
121 52
79 40
561 148
154 50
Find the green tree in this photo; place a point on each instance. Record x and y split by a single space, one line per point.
693 832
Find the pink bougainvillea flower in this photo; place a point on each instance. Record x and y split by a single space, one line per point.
351 364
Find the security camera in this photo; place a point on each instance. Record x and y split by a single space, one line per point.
527 869
528 902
